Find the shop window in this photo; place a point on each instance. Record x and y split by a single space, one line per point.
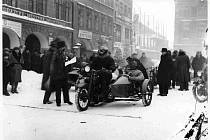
10 2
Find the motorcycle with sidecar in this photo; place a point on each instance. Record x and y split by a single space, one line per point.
121 88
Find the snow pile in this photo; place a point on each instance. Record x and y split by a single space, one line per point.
30 81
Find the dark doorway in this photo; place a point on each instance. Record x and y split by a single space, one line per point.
6 41
33 45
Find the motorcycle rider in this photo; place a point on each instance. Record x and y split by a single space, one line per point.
106 65
140 66
135 75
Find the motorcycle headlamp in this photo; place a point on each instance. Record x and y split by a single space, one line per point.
87 68
199 73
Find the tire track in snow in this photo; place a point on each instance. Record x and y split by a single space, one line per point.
85 113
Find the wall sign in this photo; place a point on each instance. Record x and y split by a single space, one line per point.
85 34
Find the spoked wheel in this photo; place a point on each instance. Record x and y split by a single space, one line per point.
82 100
147 95
200 93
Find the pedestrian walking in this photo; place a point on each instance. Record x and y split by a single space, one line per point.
183 74
198 63
16 62
163 73
6 71
54 77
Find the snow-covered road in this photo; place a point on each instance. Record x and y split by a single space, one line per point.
26 118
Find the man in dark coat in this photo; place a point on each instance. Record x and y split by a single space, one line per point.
183 66
105 63
16 62
198 63
54 68
6 70
163 73
170 67
174 65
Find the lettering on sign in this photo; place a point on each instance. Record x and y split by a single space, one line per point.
85 34
31 15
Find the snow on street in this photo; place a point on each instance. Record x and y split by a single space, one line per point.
26 118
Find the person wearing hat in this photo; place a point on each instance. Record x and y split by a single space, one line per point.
54 76
163 73
6 70
106 65
140 66
135 75
16 62
183 74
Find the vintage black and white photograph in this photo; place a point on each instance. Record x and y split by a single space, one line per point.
104 69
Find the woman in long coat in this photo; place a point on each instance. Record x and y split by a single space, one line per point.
183 66
16 62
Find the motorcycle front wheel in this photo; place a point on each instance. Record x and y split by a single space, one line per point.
200 97
82 99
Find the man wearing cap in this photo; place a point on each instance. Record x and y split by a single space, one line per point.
140 66
105 63
163 73
54 76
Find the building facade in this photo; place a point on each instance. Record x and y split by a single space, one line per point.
148 34
93 25
190 25
123 28
35 23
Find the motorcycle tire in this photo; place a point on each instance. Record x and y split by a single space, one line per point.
147 95
82 99
197 97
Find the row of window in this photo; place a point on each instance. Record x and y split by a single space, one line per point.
109 3
118 33
90 20
123 9
192 12
62 7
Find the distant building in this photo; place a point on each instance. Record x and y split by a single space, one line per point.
93 24
123 27
148 34
190 25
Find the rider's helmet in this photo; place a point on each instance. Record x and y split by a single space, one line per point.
103 50
133 65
